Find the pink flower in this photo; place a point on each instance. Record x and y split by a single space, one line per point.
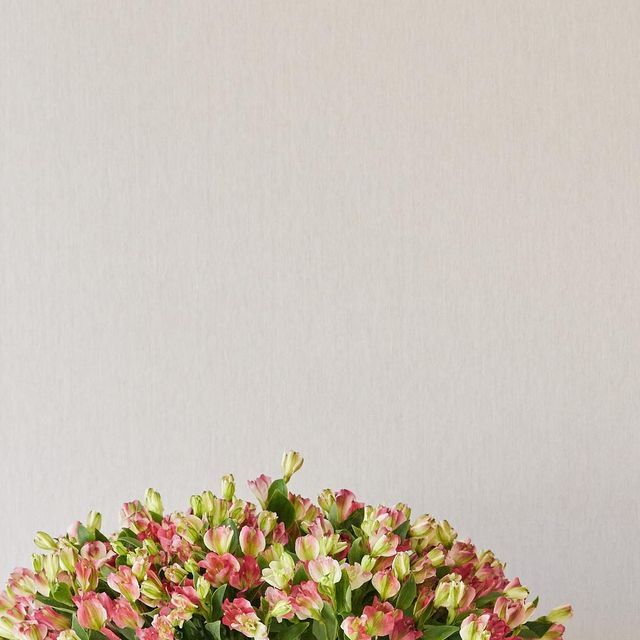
306 600
252 541
97 553
31 630
354 628
51 619
248 576
93 609
386 584
307 548
86 575
219 568
124 582
279 606
219 539
260 489
404 629
513 612
380 618
241 616
148 633
124 615
346 504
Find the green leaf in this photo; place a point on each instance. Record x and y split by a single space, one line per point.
214 629
490 598
277 486
54 604
96 635
127 633
438 632
343 594
357 551
279 503
442 571
402 529
407 594
536 627
85 535
81 632
354 520
62 593
300 575
293 631
330 622
216 602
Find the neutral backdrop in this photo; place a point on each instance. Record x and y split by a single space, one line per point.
402 237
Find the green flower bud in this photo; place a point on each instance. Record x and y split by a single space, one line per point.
291 462
196 506
153 501
44 541
228 487
37 561
94 520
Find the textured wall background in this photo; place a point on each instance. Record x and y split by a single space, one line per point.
403 237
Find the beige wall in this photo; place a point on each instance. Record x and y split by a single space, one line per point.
403 237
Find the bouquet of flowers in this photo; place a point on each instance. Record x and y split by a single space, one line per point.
291 569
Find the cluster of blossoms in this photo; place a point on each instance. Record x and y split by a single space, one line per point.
224 569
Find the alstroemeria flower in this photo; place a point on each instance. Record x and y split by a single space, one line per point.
453 594
248 576
307 548
241 616
355 628
404 629
380 618
52 619
306 600
475 628
94 610
280 607
86 575
357 575
219 539
219 568
513 612
346 504
31 630
514 590
97 552
383 544
252 541
260 489
386 584
124 615
124 582
280 571
325 571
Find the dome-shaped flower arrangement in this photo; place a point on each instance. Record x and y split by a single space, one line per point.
225 569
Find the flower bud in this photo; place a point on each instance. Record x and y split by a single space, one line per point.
191 566
436 557
207 499
228 487
252 541
401 565
68 634
189 527
94 520
559 614
44 541
219 539
291 462
515 591
51 566
153 501
307 548
218 512
151 547
422 526
37 561
7 629
151 590
68 557
267 521
445 534
86 575
326 500
175 573
368 563
453 594
386 584
203 587
195 502
475 628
